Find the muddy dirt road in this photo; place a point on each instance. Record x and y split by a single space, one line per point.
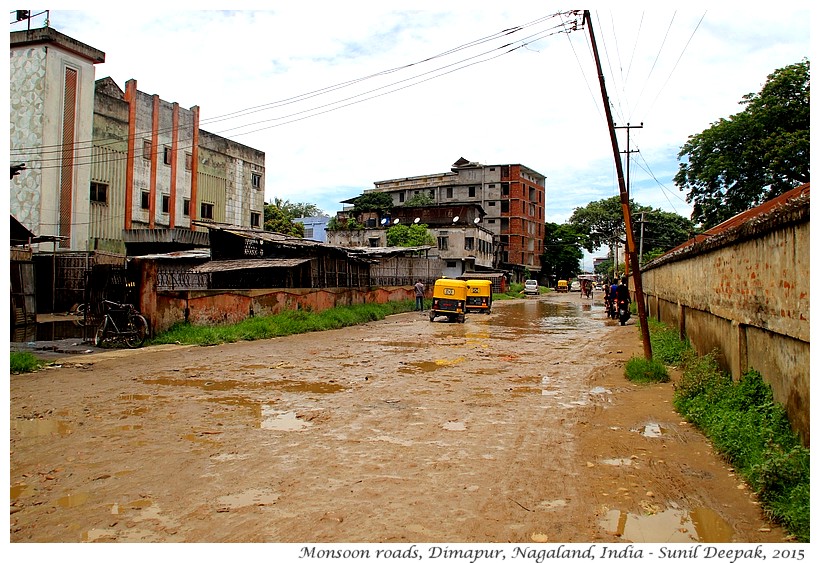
512 427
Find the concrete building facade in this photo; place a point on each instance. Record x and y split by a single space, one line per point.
512 195
106 167
51 114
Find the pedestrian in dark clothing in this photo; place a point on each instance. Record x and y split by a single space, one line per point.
419 295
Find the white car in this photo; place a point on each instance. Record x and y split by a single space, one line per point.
575 286
531 287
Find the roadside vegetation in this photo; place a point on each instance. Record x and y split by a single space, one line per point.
25 362
744 423
282 324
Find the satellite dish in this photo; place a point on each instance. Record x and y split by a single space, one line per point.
395 221
416 220
477 220
455 219
384 221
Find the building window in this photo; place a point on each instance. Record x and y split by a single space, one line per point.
449 193
145 201
468 243
206 211
146 149
451 264
401 197
491 203
255 219
189 161
99 192
432 194
166 203
166 155
471 191
308 232
256 180
505 206
505 188
186 207
443 243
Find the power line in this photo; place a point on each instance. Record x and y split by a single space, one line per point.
20 152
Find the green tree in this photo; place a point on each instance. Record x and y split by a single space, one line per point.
752 156
562 251
409 235
279 221
420 200
603 224
380 202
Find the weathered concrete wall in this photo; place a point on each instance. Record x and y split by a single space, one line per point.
746 294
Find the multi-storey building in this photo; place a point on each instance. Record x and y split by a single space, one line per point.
512 195
108 169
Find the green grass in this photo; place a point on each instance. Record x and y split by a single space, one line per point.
641 370
741 419
282 324
751 431
25 362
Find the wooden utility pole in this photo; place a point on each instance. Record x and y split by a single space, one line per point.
630 237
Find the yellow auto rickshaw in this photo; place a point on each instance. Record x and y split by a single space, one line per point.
449 300
562 287
479 296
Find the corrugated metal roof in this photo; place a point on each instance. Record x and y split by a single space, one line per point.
247 264
192 254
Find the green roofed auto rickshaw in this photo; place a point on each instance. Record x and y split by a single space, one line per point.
449 300
479 296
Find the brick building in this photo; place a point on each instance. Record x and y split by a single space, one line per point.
512 196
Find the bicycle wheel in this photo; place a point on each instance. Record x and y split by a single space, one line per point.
136 331
99 336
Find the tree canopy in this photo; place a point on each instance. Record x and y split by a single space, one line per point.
602 224
752 156
562 251
409 235
380 202
280 213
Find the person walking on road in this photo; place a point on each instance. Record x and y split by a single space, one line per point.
419 295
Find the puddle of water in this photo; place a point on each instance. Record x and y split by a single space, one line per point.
251 497
20 491
280 420
72 500
701 525
36 427
287 385
651 430
616 462
454 425
429 366
138 504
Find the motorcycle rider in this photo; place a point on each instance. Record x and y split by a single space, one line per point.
613 298
622 295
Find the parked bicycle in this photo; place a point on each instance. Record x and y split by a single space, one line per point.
121 322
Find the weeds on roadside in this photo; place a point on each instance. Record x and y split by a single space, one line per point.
24 362
282 324
667 347
641 370
752 432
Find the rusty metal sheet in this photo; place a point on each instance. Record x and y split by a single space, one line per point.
250 263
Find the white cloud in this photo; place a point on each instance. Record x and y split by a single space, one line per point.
539 105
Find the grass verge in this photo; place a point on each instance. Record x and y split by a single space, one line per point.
746 426
282 324
25 362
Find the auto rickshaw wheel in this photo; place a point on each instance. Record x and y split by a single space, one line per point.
432 316
461 318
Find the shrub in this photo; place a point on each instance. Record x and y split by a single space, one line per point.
667 347
641 370
24 362
753 433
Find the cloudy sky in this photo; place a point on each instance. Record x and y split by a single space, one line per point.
342 94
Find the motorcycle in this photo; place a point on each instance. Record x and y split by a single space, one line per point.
623 312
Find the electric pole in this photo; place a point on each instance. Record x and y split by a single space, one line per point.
630 237
627 152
